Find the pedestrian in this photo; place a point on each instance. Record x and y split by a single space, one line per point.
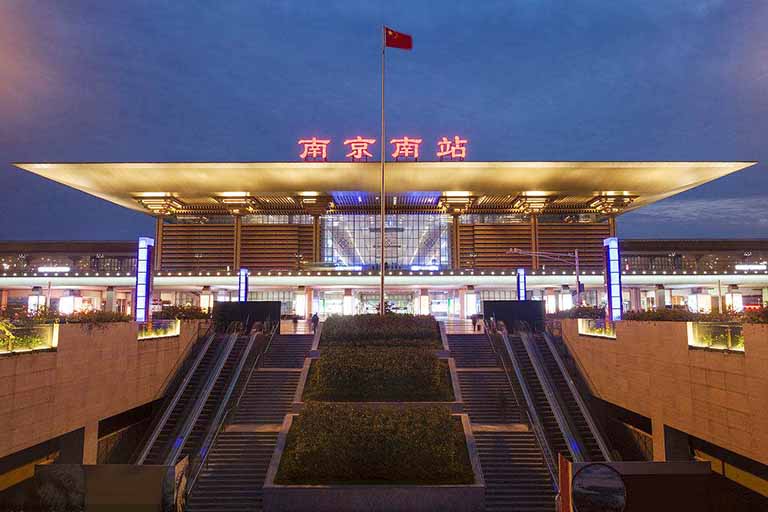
315 321
474 323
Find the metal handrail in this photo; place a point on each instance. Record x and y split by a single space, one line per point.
579 400
228 406
170 402
572 441
189 423
533 416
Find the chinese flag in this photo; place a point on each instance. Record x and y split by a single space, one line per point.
395 39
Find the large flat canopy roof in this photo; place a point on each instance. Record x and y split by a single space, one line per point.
460 186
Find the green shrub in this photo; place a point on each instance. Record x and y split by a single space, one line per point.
181 313
389 330
759 316
355 374
594 312
354 444
679 315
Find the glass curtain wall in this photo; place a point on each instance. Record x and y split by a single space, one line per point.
414 241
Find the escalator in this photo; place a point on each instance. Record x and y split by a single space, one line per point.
547 415
186 418
593 444
153 448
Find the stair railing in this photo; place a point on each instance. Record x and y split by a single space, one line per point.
234 394
571 440
183 433
583 407
533 417
185 373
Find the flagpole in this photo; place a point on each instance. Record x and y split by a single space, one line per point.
382 200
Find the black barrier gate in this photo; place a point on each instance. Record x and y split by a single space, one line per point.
246 313
511 311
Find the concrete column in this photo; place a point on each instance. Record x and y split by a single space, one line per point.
660 297
158 251
424 301
612 225
238 243
310 295
91 443
3 299
535 241
206 299
348 302
659 446
316 238
110 299
462 301
765 296
634 299
455 242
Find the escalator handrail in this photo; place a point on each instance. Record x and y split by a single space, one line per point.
579 400
174 399
572 441
533 416
228 406
191 419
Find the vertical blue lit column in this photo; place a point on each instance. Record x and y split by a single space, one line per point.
242 285
613 277
144 273
521 285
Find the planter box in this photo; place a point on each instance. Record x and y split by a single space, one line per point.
457 405
401 497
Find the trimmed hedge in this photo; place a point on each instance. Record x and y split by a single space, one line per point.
388 330
360 374
354 444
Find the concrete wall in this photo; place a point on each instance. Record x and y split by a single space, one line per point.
716 396
93 374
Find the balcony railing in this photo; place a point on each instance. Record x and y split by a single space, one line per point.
597 327
159 329
30 338
716 336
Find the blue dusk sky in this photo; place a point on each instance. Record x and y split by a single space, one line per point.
131 80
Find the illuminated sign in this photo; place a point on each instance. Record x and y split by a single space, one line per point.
314 149
242 285
453 149
521 285
406 148
53 269
144 278
359 148
751 266
613 277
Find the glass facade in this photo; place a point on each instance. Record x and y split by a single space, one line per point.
410 240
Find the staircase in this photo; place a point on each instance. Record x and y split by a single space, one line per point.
549 422
577 419
235 472
516 476
237 465
288 351
472 351
162 443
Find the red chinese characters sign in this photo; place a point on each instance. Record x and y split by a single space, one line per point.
403 148
314 149
359 148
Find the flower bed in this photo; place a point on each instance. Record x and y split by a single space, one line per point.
348 374
387 330
358 444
